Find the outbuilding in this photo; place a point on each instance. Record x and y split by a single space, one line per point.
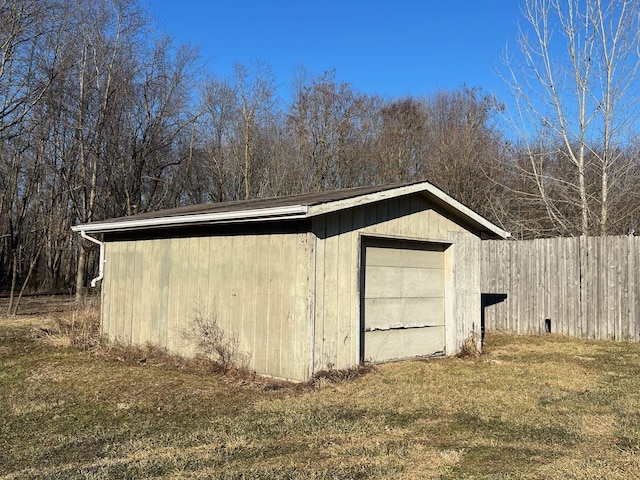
304 283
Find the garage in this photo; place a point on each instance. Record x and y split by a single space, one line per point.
402 299
303 283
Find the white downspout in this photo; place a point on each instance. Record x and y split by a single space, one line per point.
101 263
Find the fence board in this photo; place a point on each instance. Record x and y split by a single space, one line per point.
586 286
631 309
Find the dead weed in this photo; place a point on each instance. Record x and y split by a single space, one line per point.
78 327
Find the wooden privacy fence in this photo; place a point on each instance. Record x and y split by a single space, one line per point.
585 287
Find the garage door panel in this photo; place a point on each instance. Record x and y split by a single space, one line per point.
383 282
422 282
384 313
385 345
395 257
395 282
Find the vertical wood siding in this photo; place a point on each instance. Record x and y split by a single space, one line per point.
337 280
256 286
293 299
585 286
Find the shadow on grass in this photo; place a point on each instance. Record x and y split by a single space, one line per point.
495 446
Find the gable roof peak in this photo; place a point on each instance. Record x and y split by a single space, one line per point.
289 208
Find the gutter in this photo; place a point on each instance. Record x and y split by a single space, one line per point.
100 276
275 213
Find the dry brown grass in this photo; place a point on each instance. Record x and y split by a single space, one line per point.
331 376
527 408
78 327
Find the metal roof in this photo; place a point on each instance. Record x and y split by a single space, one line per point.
289 208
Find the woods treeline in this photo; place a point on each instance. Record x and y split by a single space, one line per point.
102 116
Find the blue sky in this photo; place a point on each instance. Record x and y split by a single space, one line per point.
391 48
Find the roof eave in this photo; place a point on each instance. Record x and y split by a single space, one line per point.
291 212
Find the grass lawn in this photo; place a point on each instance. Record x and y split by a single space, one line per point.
529 407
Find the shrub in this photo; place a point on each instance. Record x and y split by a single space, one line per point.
215 344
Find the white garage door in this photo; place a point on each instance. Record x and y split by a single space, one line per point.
402 300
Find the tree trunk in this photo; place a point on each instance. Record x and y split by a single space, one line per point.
247 164
32 265
82 266
14 278
605 199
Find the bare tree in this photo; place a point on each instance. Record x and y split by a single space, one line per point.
27 57
155 113
576 90
448 138
402 140
22 26
238 134
256 93
214 177
325 123
464 146
100 41
95 113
